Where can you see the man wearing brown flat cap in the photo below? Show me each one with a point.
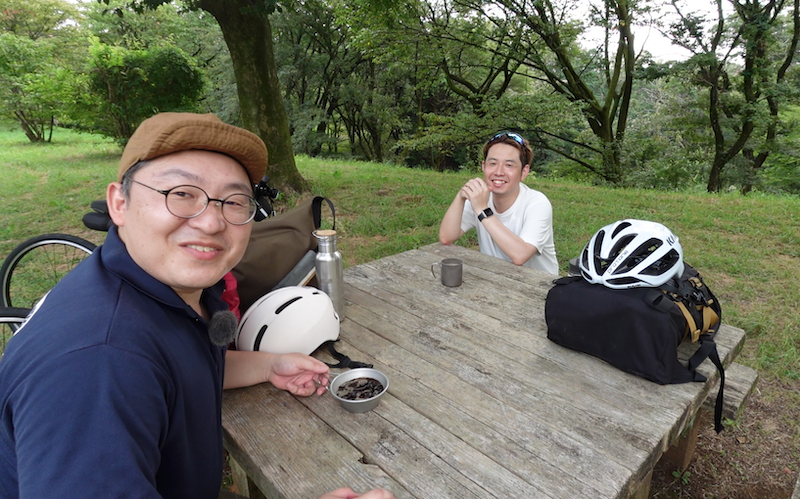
(112, 388)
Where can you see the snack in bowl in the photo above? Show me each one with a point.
(359, 390)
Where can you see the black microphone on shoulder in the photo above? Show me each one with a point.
(222, 327)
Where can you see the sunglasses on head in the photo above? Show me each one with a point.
(511, 135)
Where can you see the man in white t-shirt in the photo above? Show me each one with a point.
(514, 222)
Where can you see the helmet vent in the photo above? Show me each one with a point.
(619, 228)
(599, 264)
(639, 255)
(663, 264)
(283, 307)
(618, 281)
(619, 246)
(259, 336)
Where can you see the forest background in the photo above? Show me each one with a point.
(421, 85)
(425, 83)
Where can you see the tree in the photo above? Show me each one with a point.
(40, 47)
(36, 18)
(555, 59)
(247, 31)
(744, 68)
(132, 84)
(317, 56)
(440, 71)
(195, 33)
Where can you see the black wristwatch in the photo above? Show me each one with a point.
(484, 214)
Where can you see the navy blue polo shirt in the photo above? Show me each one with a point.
(112, 389)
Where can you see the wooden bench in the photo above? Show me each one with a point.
(740, 381)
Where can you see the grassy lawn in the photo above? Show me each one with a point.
(747, 248)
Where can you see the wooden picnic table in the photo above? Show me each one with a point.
(480, 402)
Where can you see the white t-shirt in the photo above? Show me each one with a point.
(530, 218)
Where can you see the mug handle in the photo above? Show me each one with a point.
(434, 265)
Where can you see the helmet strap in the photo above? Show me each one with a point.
(344, 360)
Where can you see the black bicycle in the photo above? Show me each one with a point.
(10, 320)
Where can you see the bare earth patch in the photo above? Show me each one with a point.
(756, 457)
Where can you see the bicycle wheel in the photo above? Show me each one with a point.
(10, 320)
(36, 265)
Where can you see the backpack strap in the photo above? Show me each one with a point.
(690, 323)
(696, 293)
(708, 350)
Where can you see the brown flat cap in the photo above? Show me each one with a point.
(166, 133)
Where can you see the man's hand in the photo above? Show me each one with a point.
(477, 192)
(347, 493)
(298, 374)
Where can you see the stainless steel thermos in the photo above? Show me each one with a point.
(330, 269)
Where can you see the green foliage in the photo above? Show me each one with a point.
(40, 58)
(781, 172)
(417, 83)
(35, 88)
(196, 33)
(682, 476)
(35, 19)
(746, 247)
(131, 85)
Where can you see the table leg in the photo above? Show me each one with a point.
(642, 490)
(244, 485)
(682, 450)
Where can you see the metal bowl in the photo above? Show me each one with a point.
(359, 405)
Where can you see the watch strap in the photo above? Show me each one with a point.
(484, 214)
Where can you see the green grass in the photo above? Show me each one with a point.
(48, 187)
(747, 248)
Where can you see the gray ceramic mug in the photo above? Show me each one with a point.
(451, 270)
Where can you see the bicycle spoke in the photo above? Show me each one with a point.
(32, 270)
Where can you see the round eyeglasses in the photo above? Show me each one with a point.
(189, 201)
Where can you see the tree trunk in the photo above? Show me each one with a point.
(30, 129)
(248, 34)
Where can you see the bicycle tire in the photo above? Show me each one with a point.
(36, 265)
(11, 319)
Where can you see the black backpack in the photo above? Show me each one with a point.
(638, 330)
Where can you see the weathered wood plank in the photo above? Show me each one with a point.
(388, 276)
(740, 381)
(271, 435)
(501, 268)
(530, 325)
(527, 338)
(394, 270)
(423, 471)
(538, 452)
(480, 404)
(507, 388)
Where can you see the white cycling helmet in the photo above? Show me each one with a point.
(290, 319)
(632, 253)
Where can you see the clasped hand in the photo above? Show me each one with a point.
(476, 191)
